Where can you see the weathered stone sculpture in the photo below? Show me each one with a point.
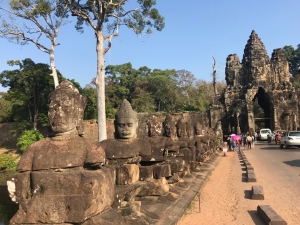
(136, 159)
(186, 144)
(126, 152)
(169, 127)
(159, 144)
(61, 179)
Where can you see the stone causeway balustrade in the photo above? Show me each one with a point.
(131, 179)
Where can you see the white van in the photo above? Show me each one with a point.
(263, 134)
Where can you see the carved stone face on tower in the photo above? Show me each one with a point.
(66, 108)
(126, 121)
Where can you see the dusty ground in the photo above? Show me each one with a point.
(225, 198)
(11, 151)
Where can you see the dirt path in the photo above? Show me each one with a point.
(224, 198)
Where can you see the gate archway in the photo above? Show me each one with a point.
(257, 77)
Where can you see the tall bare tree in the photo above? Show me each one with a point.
(43, 18)
(214, 74)
(186, 80)
(96, 13)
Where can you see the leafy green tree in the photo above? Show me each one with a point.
(121, 80)
(7, 162)
(163, 86)
(43, 18)
(293, 56)
(29, 88)
(90, 111)
(29, 137)
(186, 80)
(5, 109)
(147, 90)
(113, 14)
(142, 100)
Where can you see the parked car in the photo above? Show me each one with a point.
(263, 134)
(290, 138)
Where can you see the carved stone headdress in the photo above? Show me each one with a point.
(125, 111)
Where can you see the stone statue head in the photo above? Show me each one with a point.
(66, 109)
(189, 129)
(154, 126)
(169, 127)
(126, 121)
(198, 129)
(181, 128)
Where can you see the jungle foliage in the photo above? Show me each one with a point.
(27, 138)
(148, 90)
(26, 101)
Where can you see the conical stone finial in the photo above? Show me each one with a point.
(125, 111)
(254, 48)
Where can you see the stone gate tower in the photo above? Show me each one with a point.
(256, 77)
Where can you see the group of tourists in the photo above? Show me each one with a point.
(246, 139)
(249, 139)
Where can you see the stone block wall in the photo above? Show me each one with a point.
(6, 137)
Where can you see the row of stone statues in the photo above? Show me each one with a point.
(67, 179)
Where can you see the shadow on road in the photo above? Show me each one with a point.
(248, 194)
(244, 177)
(295, 162)
(276, 147)
(272, 148)
(255, 217)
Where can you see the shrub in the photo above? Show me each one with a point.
(28, 137)
(7, 162)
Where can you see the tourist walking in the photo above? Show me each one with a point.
(229, 143)
(255, 136)
(244, 137)
(249, 141)
(233, 144)
(225, 148)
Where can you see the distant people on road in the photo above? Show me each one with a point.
(233, 144)
(225, 148)
(255, 136)
(249, 141)
(244, 137)
(229, 143)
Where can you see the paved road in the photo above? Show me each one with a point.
(281, 163)
(278, 171)
(226, 196)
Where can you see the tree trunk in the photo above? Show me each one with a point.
(29, 113)
(52, 65)
(100, 84)
(188, 97)
(36, 109)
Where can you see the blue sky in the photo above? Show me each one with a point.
(195, 31)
